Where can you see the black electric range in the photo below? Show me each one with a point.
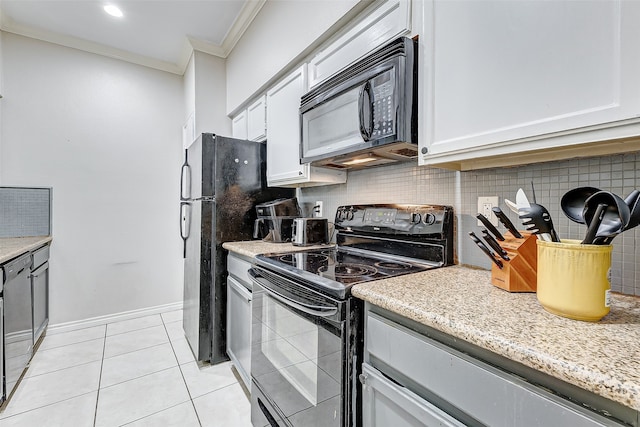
(373, 242)
(307, 329)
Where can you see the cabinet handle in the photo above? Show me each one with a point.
(185, 179)
(363, 378)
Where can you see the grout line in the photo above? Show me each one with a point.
(182, 374)
(60, 369)
(44, 406)
(157, 412)
(138, 349)
(139, 377)
(104, 346)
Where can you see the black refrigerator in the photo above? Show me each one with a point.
(222, 180)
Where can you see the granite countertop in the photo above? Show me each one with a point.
(601, 357)
(11, 247)
(251, 248)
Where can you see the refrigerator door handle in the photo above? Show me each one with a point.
(185, 179)
(185, 225)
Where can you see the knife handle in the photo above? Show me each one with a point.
(504, 219)
(485, 249)
(495, 245)
(490, 227)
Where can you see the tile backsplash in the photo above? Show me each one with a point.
(408, 183)
(25, 211)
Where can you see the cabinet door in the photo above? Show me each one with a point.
(283, 130)
(256, 120)
(239, 328)
(283, 137)
(389, 19)
(477, 390)
(502, 77)
(239, 125)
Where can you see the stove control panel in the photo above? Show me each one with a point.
(395, 219)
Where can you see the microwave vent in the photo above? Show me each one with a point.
(405, 152)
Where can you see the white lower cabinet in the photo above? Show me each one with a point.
(509, 82)
(239, 317)
(283, 137)
(410, 379)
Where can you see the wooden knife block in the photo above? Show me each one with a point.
(519, 274)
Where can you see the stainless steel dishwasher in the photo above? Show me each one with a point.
(18, 321)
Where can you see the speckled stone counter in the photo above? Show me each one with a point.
(252, 248)
(16, 246)
(602, 357)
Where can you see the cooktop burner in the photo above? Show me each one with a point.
(343, 272)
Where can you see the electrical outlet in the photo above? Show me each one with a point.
(317, 209)
(485, 204)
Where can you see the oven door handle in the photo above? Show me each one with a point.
(313, 310)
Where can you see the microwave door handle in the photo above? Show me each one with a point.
(365, 111)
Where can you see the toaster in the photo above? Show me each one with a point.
(310, 231)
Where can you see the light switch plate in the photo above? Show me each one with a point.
(485, 203)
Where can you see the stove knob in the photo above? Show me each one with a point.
(415, 218)
(429, 218)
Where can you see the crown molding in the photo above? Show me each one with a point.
(245, 18)
(248, 13)
(88, 46)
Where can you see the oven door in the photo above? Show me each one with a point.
(297, 355)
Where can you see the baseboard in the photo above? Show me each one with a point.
(111, 318)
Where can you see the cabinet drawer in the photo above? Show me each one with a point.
(40, 256)
(239, 268)
(491, 396)
(385, 403)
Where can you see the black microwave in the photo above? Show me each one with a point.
(367, 113)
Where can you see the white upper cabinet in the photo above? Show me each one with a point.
(257, 120)
(502, 80)
(283, 137)
(239, 125)
(383, 22)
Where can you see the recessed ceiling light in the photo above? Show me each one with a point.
(113, 10)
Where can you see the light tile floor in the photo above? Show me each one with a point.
(138, 372)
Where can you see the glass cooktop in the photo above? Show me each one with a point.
(335, 270)
(345, 267)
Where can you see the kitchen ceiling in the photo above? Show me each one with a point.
(156, 33)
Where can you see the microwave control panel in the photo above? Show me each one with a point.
(383, 104)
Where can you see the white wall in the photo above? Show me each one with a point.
(1, 93)
(106, 135)
(210, 94)
(189, 91)
(204, 86)
(282, 31)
